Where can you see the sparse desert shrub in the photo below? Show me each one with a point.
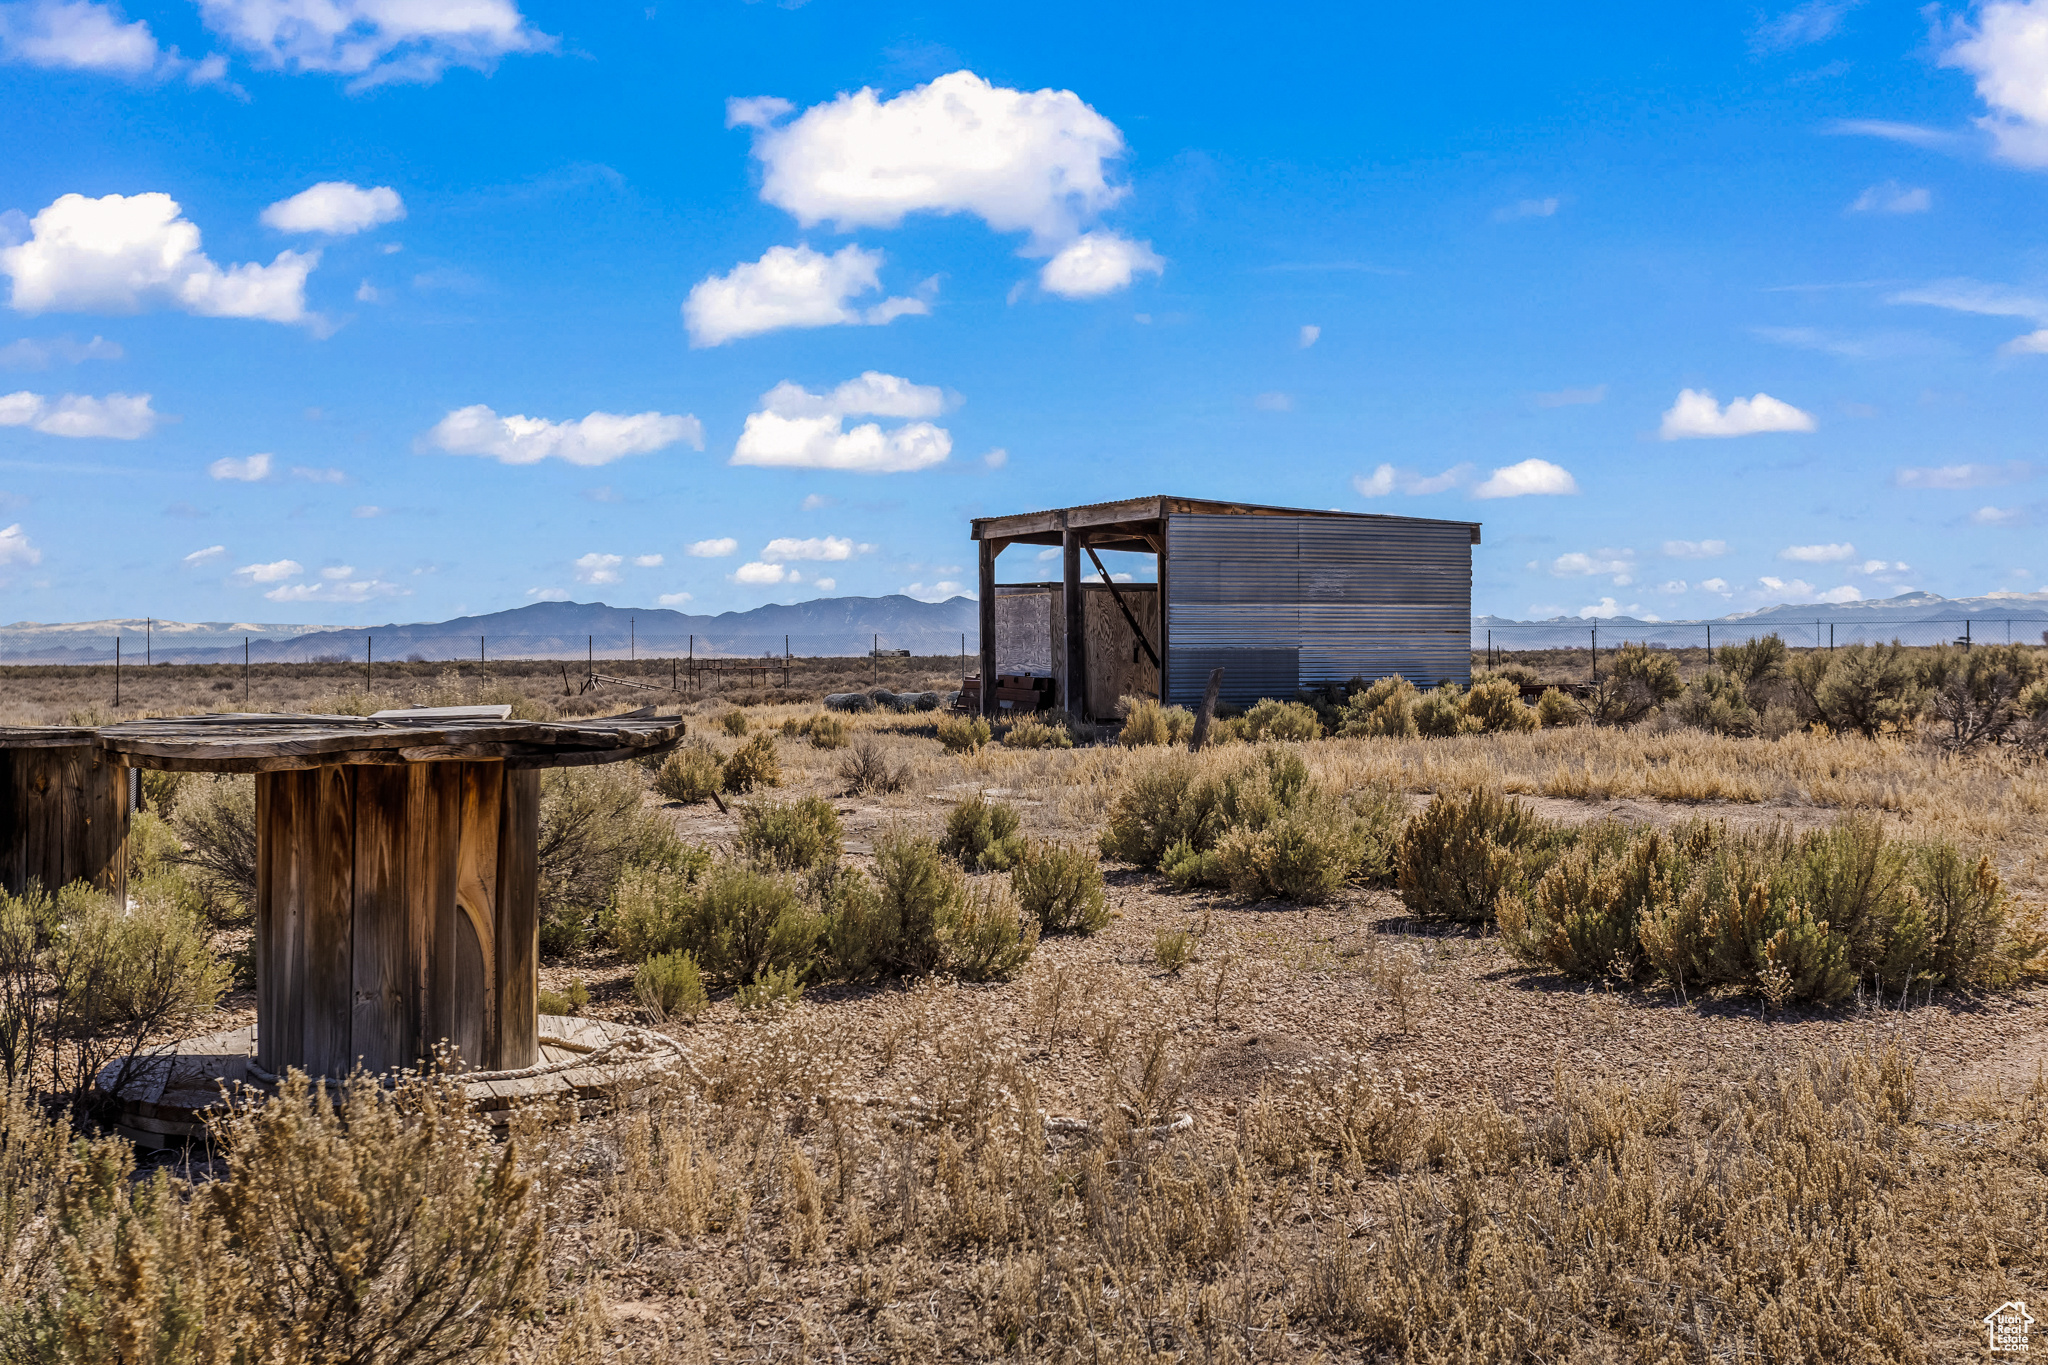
(1714, 701)
(1029, 732)
(1146, 722)
(917, 896)
(1555, 710)
(82, 968)
(1973, 695)
(2032, 731)
(1303, 853)
(161, 790)
(753, 764)
(791, 837)
(689, 774)
(826, 732)
(734, 723)
(1164, 802)
(403, 1233)
(989, 939)
(1636, 681)
(1060, 887)
(772, 990)
(866, 768)
(651, 911)
(1866, 688)
(963, 734)
(1385, 710)
(1793, 918)
(1173, 949)
(215, 819)
(1440, 713)
(982, 835)
(593, 828)
(744, 922)
(1460, 855)
(670, 986)
(570, 1001)
(1496, 704)
(1281, 720)
(1755, 665)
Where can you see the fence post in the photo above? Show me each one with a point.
(366, 664)
(1596, 655)
(245, 670)
(479, 651)
(117, 672)
(785, 661)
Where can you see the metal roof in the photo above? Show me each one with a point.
(1045, 527)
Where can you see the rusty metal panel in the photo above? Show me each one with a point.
(1364, 598)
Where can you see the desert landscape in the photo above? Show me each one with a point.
(1121, 1112)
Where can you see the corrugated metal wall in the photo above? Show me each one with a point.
(1283, 602)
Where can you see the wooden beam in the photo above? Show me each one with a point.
(987, 604)
(1136, 629)
(1074, 685)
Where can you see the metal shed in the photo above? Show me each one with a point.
(1280, 598)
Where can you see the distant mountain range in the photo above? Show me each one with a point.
(1914, 617)
(854, 625)
(543, 630)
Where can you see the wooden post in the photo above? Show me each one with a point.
(986, 611)
(245, 671)
(1207, 712)
(117, 672)
(366, 663)
(1074, 669)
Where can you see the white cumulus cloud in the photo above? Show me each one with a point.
(597, 568)
(276, 571)
(673, 599)
(206, 556)
(759, 572)
(714, 549)
(790, 286)
(1577, 563)
(936, 592)
(1997, 516)
(337, 584)
(1697, 414)
(1848, 592)
(16, 548)
(825, 584)
(1818, 554)
(2007, 52)
(1387, 479)
(335, 208)
(1031, 161)
(1309, 335)
(802, 430)
(253, 469)
(1098, 263)
(375, 41)
(814, 547)
(648, 561)
(597, 439)
(1695, 549)
(122, 253)
(1529, 478)
(84, 35)
(117, 417)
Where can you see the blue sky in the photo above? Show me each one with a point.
(360, 310)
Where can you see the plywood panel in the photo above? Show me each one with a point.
(517, 975)
(281, 896)
(383, 1029)
(1117, 667)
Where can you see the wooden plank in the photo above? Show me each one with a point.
(103, 833)
(382, 1029)
(1117, 668)
(473, 993)
(434, 845)
(280, 960)
(329, 827)
(13, 834)
(516, 980)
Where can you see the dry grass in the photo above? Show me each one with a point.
(1399, 1146)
